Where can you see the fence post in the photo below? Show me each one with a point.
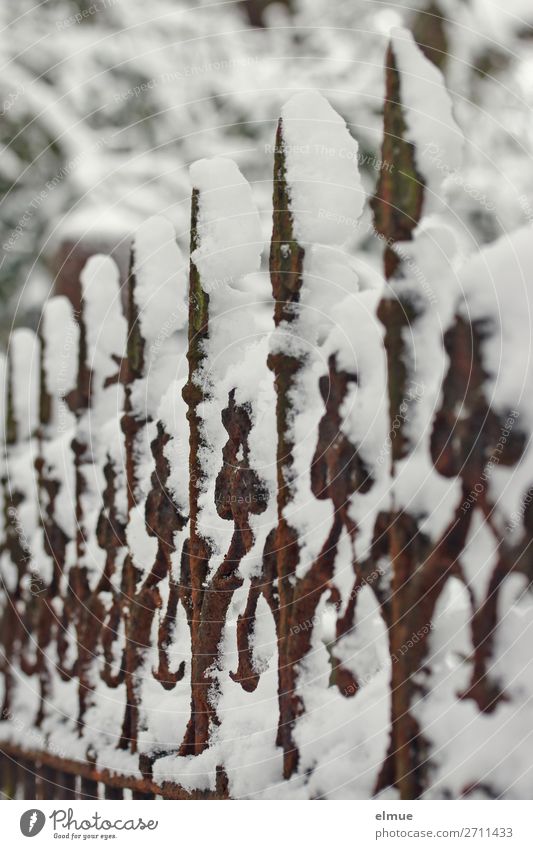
(20, 503)
(155, 320)
(132, 422)
(286, 269)
(213, 556)
(304, 242)
(397, 211)
(54, 532)
(196, 548)
(102, 337)
(459, 444)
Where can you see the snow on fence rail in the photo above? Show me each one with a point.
(274, 542)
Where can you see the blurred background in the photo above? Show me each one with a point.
(105, 103)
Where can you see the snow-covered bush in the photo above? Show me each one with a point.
(105, 105)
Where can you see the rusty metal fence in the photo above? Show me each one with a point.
(163, 550)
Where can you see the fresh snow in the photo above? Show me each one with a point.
(229, 234)
(321, 169)
(342, 740)
(428, 112)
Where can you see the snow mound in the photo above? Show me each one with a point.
(229, 233)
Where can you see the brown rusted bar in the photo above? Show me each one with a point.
(91, 776)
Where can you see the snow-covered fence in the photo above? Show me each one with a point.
(268, 536)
